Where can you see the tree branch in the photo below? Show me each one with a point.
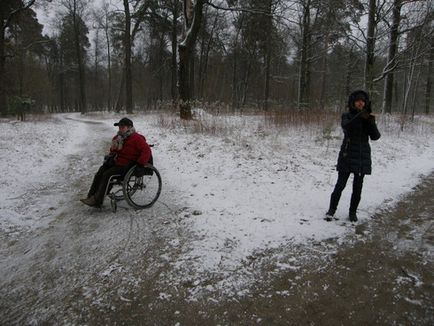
(250, 11)
(14, 12)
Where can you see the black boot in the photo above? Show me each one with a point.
(353, 216)
(329, 215)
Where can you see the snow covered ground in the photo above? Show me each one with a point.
(237, 183)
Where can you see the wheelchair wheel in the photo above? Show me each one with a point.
(142, 190)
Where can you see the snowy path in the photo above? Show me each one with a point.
(45, 269)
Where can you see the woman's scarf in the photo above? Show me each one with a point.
(118, 142)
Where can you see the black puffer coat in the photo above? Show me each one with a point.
(355, 153)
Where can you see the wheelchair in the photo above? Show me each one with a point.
(140, 187)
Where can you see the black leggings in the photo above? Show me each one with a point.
(340, 186)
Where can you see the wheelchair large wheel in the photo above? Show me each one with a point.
(142, 190)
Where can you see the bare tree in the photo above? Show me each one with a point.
(75, 12)
(104, 22)
(127, 62)
(391, 57)
(370, 46)
(268, 26)
(304, 65)
(80, 56)
(174, 41)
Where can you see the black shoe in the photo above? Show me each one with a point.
(353, 216)
(329, 216)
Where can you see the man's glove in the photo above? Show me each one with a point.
(109, 160)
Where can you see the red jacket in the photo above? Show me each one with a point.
(134, 149)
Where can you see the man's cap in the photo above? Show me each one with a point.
(124, 122)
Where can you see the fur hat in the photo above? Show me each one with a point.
(359, 95)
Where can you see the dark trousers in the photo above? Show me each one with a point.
(340, 186)
(100, 181)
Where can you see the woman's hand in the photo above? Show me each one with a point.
(364, 114)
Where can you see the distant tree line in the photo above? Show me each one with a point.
(268, 54)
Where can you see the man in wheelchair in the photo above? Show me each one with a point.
(128, 147)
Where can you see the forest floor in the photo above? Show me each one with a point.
(96, 267)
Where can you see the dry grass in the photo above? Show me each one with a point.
(301, 119)
(400, 124)
(239, 125)
(216, 120)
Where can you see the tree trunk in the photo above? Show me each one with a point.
(202, 55)
(246, 82)
(415, 101)
(203, 66)
(267, 79)
(415, 56)
(191, 74)
(349, 70)
(161, 65)
(409, 83)
(235, 101)
(185, 110)
(109, 68)
(174, 65)
(391, 62)
(127, 62)
(267, 53)
(62, 92)
(304, 75)
(3, 106)
(81, 74)
(429, 77)
(370, 47)
(118, 105)
(21, 69)
(235, 86)
(193, 20)
(324, 67)
(96, 98)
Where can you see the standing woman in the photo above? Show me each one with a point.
(358, 125)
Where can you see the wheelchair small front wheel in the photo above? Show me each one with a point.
(142, 190)
(114, 205)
